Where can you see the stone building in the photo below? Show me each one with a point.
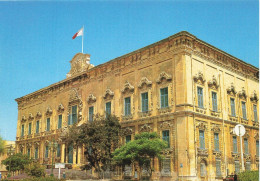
(9, 150)
(188, 91)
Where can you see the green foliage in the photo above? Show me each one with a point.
(16, 162)
(249, 176)
(2, 145)
(99, 138)
(142, 150)
(35, 170)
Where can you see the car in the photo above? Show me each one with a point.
(231, 178)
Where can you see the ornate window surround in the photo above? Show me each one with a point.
(199, 81)
(127, 131)
(254, 101)
(213, 86)
(166, 125)
(215, 128)
(202, 126)
(92, 102)
(109, 97)
(127, 91)
(145, 85)
(74, 99)
(232, 93)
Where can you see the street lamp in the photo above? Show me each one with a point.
(10, 151)
(53, 145)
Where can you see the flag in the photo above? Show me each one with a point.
(79, 33)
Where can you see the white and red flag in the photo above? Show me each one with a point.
(79, 33)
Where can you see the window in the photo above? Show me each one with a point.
(255, 113)
(166, 167)
(46, 151)
(248, 165)
(30, 129)
(164, 97)
(200, 97)
(244, 110)
(59, 121)
(237, 167)
(216, 141)
(245, 145)
(234, 144)
(202, 139)
(166, 137)
(127, 138)
(36, 152)
(29, 152)
(108, 108)
(127, 106)
(232, 105)
(48, 122)
(74, 114)
(218, 167)
(257, 148)
(203, 169)
(58, 150)
(90, 113)
(214, 102)
(144, 97)
(22, 130)
(37, 126)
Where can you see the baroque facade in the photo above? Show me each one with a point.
(188, 91)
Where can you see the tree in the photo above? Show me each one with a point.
(16, 162)
(35, 170)
(141, 151)
(99, 138)
(2, 145)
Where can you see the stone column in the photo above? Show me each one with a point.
(62, 152)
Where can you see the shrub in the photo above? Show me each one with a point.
(248, 176)
(35, 170)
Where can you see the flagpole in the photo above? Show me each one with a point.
(82, 38)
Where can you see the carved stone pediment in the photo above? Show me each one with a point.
(199, 78)
(48, 111)
(235, 156)
(201, 126)
(109, 94)
(38, 114)
(23, 118)
(165, 125)
(127, 87)
(37, 143)
(127, 131)
(247, 157)
(254, 97)
(242, 93)
(232, 131)
(215, 129)
(203, 152)
(145, 128)
(144, 81)
(91, 99)
(213, 84)
(28, 145)
(30, 117)
(246, 135)
(74, 95)
(168, 151)
(217, 154)
(231, 90)
(60, 108)
(22, 146)
(163, 76)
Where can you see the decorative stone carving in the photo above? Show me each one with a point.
(127, 87)
(213, 84)
(36, 144)
(48, 111)
(217, 154)
(108, 94)
(215, 128)
(30, 117)
(246, 135)
(23, 118)
(127, 131)
(231, 90)
(74, 98)
(242, 94)
(144, 81)
(163, 76)
(256, 136)
(201, 126)
(232, 131)
(28, 145)
(199, 78)
(166, 125)
(60, 108)
(254, 97)
(91, 99)
(145, 128)
(235, 156)
(46, 142)
(247, 157)
(127, 117)
(38, 115)
(202, 152)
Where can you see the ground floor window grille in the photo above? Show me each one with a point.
(166, 167)
(237, 167)
(218, 168)
(248, 165)
(128, 170)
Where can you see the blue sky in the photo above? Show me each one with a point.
(36, 37)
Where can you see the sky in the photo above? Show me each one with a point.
(36, 37)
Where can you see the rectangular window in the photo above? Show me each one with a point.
(244, 110)
(59, 121)
(127, 138)
(218, 167)
(232, 106)
(255, 113)
(46, 151)
(144, 97)
(58, 150)
(234, 144)
(164, 97)
(30, 129)
(36, 153)
(22, 130)
(37, 126)
(245, 145)
(248, 166)
(214, 102)
(108, 108)
(237, 167)
(257, 148)
(202, 139)
(90, 113)
(216, 141)
(200, 97)
(48, 124)
(166, 167)
(74, 114)
(166, 137)
(29, 152)
(127, 106)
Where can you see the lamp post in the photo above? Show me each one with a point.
(53, 145)
(9, 153)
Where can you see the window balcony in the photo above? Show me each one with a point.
(37, 134)
(255, 123)
(164, 110)
(200, 110)
(243, 121)
(214, 113)
(127, 117)
(144, 114)
(233, 118)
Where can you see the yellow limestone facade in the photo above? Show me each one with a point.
(188, 91)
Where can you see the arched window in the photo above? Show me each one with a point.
(203, 168)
